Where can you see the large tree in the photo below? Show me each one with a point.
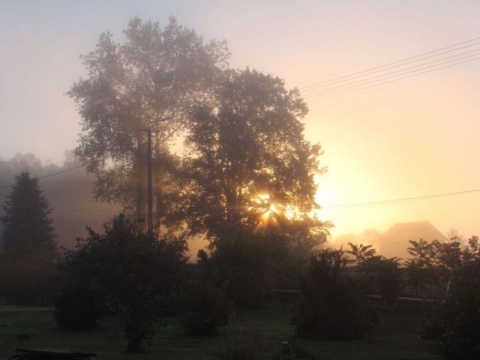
(131, 87)
(250, 163)
(28, 241)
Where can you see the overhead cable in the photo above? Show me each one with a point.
(415, 65)
(49, 175)
(392, 201)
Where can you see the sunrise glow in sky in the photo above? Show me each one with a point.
(404, 139)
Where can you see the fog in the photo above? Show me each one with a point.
(69, 192)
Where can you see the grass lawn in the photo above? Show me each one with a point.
(260, 332)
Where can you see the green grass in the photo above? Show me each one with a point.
(261, 331)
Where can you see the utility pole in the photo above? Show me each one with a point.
(149, 183)
(149, 176)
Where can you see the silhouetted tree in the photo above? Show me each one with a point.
(251, 184)
(132, 86)
(249, 160)
(362, 253)
(28, 242)
(472, 250)
(133, 273)
(433, 262)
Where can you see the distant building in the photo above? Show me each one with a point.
(395, 242)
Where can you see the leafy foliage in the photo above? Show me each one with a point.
(28, 243)
(433, 262)
(204, 308)
(251, 186)
(249, 156)
(242, 266)
(362, 253)
(455, 323)
(383, 275)
(130, 87)
(472, 250)
(134, 272)
(332, 303)
(249, 265)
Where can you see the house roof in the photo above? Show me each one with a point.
(395, 242)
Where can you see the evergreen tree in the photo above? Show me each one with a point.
(28, 242)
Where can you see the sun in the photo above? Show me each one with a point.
(267, 211)
(270, 212)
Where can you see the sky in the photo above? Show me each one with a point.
(410, 138)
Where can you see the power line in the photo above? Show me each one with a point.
(396, 63)
(60, 172)
(49, 175)
(392, 201)
(427, 65)
(395, 71)
(340, 91)
(83, 210)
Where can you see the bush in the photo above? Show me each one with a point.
(332, 303)
(242, 266)
(135, 273)
(204, 308)
(385, 275)
(455, 323)
(78, 307)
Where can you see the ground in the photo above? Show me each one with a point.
(255, 334)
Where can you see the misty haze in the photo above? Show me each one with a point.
(239, 180)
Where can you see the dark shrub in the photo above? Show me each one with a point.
(241, 265)
(385, 275)
(78, 307)
(204, 309)
(332, 303)
(135, 272)
(455, 323)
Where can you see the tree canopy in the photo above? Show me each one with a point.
(247, 165)
(133, 86)
(249, 157)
